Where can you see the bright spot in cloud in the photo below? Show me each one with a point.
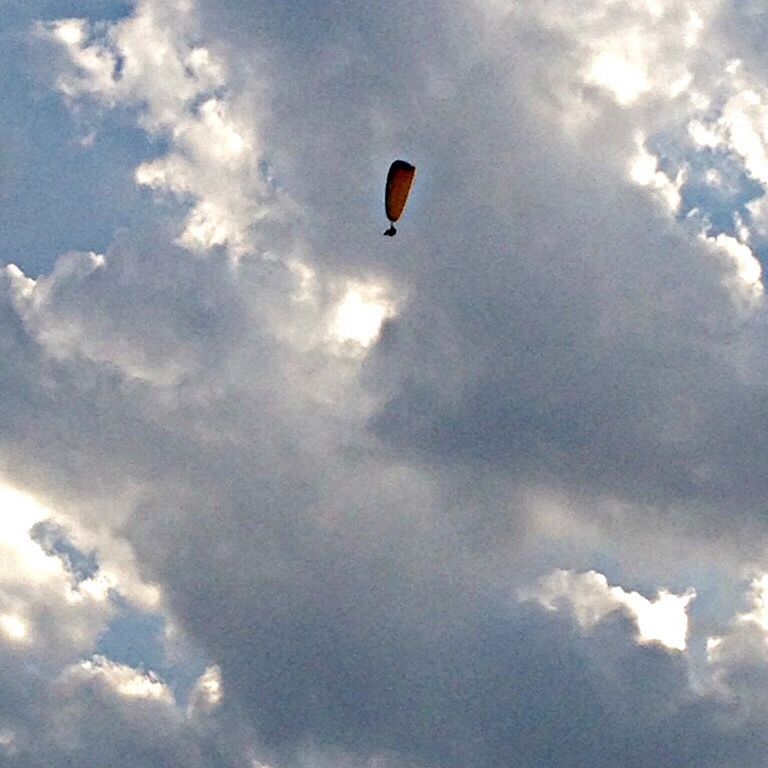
(70, 31)
(18, 552)
(680, 85)
(619, 74)
(20, 512)
(643, 168)
(662, 620)
(13, 627)
(360, 314)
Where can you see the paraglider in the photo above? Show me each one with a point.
(399, 181)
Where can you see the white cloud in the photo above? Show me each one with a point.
(734, 125)
(644, 170)
(123, 680)
(65, 331)
(36, 586)
(759, 597)
(746, 265)
(100, 712)
(95, 66)
(150, 61)
(73, 314)
(590, 597)
(208, 692)
(58, 706)
(632, 48)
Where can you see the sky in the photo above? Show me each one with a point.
(279, 492)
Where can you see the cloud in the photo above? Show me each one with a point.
(45, 611)
(572, 342)
(149, 60)
(74, 312)
(99, 712)
(345, 535)
(60, 701)
(662, 620)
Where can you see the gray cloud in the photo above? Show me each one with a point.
(558, 326)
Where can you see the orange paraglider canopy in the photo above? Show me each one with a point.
(399, 181)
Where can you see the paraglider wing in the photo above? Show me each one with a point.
(399, 180)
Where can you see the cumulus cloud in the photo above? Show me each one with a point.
(99, 712)
(149, 60)
(46, 611)
(59, 701)
(662, 620)
(63, 702)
